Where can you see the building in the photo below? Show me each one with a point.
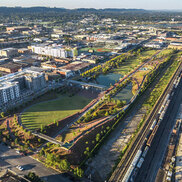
(73, 68)
(65, 73)
(10, 67)
(51, 65)
(9, 52)
(30, 61)
(56, 36)
(17, 86)
(17, 29)
(23, 50)
(156, 45)
(57, 51)
(175, 45)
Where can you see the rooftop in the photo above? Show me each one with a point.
(75, 66)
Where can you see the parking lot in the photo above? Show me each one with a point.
(10, 159)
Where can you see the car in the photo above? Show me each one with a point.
(20, 168)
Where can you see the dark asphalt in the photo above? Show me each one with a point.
(9, 159)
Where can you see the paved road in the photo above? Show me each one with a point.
(10, 159)
(156, 153)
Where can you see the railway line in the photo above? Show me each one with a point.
(127, 164)
(155, 155)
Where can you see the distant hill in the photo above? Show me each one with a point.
(11, 10)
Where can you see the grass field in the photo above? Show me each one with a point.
(165, 52)
(130, 64)
(46, 112)
(96, 49)
(148, 54)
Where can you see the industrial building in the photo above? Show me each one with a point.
(10, 67)
(73, 68)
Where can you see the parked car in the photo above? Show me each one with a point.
(20, 168)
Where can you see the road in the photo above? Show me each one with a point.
(9, 159)
(156, 153)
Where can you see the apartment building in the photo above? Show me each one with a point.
(53, 50)
(17, 86)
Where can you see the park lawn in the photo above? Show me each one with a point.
(69, 135)
(127, 66)
(165, 52)
(96, 49)
(132, 63)
(47, 112)
(148, 54)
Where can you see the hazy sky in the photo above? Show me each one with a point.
(145, 4)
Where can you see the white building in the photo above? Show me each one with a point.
(54, 51)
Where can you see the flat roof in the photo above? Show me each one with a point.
(75, 66)
(10, 65)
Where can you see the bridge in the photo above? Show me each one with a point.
(49, 139)
(87, 85)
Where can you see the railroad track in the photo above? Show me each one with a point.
(122, 168)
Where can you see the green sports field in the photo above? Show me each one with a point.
(46, 112)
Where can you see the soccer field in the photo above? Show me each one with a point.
(47, 112)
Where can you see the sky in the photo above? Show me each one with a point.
(71, 4)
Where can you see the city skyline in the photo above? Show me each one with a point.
(138, 4)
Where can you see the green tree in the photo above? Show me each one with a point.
(107, 113)
(79, 172)
(2, 114)
(16, 141)
(64, 165)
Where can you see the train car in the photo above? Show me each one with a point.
(128, 174)
(175, 82)
(140, 162)
(148, 135)
(132, 166)
(167, 104)
(136, 158)
(166, 99)
(145, 151)
(161, 109)
(155, 129)
(149, 141)
(153, 124)
(162, 115)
